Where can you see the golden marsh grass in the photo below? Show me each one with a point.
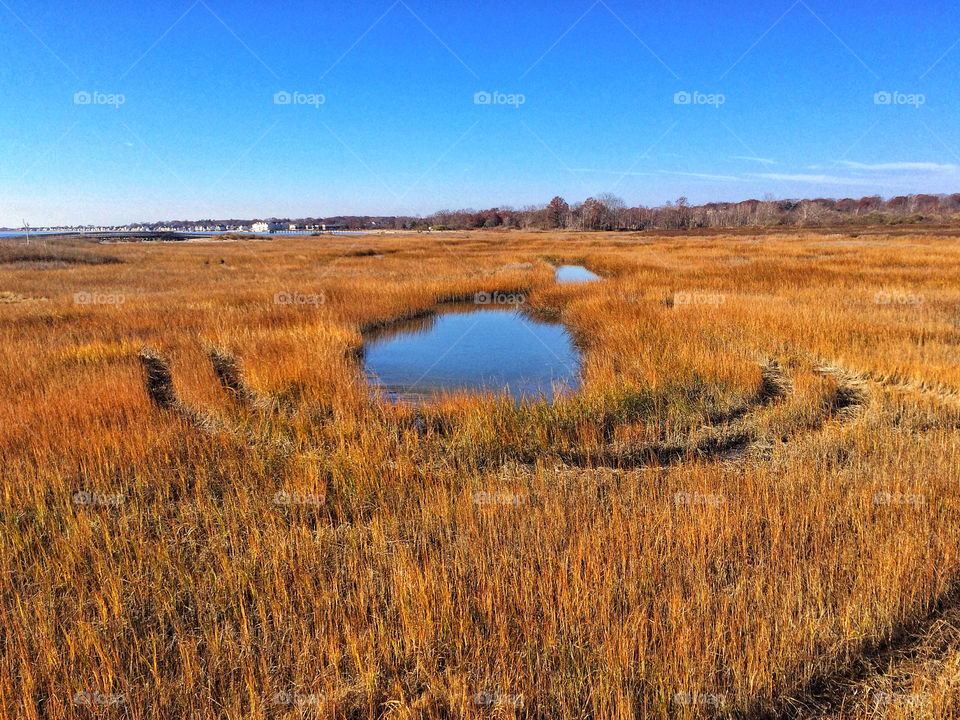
(750, 509)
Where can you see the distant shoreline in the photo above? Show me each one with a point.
(164, 236)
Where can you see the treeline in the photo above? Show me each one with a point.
(609, 212)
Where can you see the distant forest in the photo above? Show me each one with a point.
(609, 212)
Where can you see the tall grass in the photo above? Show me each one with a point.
(747, 497)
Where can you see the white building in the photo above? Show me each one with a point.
(263, 226)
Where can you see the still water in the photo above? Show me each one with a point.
(575, 274)
(470, 348)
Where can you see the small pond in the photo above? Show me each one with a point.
(473, 348)
(575, 274)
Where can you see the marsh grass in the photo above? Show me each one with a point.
(693, 534)
(40, 253)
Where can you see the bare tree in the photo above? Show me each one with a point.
(614, 207)
(558, 213)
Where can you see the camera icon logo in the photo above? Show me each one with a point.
(482, 98)
(281, 498)
(82, 98)
(681, 98)
(882, 98)
(281, 98)
(481, 298)
(883, 298)
(483, 698)
(682, 298)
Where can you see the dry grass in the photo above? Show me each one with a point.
(56, 253)
(750, 509)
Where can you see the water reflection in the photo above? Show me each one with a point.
(575, 274)
(472, 348)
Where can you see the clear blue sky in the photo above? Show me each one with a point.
(198, 133)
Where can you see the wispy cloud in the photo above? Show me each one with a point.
(861, 174)
(660, 173)
(895, 166)
(809, 178)
(703, 176)
(612, 172)
(762, 161)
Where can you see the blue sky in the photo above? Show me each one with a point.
(182, 119)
